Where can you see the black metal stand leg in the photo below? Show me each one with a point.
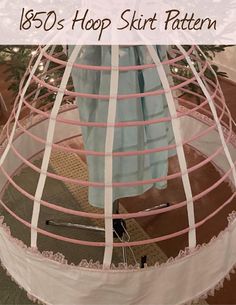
(119, 225)
(143, 261)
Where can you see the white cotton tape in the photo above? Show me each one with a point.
(179, 148)
(108, 192)
(48, 148)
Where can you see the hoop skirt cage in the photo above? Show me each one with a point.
(49, 156)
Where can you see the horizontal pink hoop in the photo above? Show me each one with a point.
(121, 68)
(123, 216)
(119, 124)
(130, 153)
(100, 184)
(117, 154)
(119, 244)
(119, 97)
(157, 212)
(139, 213)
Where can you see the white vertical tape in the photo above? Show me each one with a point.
(48, 147)
(179, 148)
(213, 110)
(35, 66)
(108, 178)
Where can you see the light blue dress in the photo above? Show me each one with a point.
(128, 168)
